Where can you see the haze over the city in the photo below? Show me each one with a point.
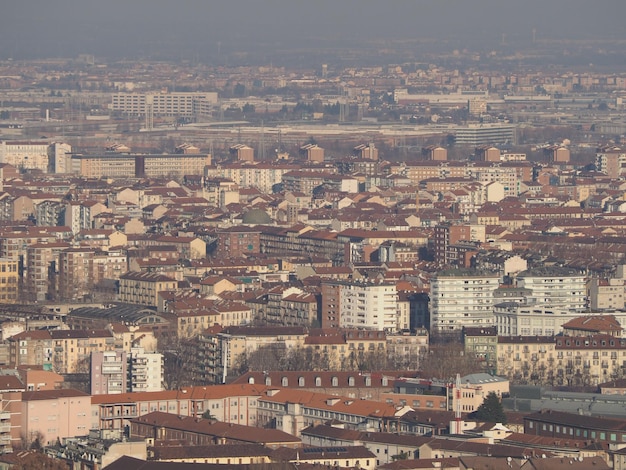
(269, 30)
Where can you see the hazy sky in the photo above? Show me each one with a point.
(131, 28)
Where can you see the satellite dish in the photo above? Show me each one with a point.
(509, 459)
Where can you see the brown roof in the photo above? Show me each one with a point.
(10, 382)
(594, 323)
(576, 420)
(230, 431)
(321, 453)
(196, 393)
(53, 394)
(166, 451)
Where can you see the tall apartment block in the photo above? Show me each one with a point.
(462, 298)
(610, 160)
(360, 305)
(121, 372)
(9, 291)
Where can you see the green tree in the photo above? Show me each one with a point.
(491, 410)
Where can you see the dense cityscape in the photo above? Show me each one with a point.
(392, 253)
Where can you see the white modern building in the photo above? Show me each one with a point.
(114, 372)
(145, 371)
(462, 297)
(485, 134)
(164, 104)
(555, 287)
(369, 305)
(515, 319)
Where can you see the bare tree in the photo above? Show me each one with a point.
(444, 361)
(180, 356)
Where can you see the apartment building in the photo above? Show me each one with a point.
(606, 294)
(556, 287)
(123, 165)
(508, 177)
(192, 318)
(206, 433)
(52, 415)
(143, 288)
(9, 277)
(174, 104)
(360, 304)
(223, 347)
(447, 234)
(11, 388)
(290, 306)
(114, 372)
(76, 273)
(462, 298)
(42, 264)
(34, 155)
(526, 319)
(529, 358)
(558, 424)
(440, 395)
(260, 175)
(610, 160)
(475, 135)
(276, 241)
(235, 404)
(590, 360)
(291, 411)
(482, 343)
(236, 242)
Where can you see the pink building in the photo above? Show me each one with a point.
(51, 414)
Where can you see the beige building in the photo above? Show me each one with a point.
(9, 291)
(193, 322)
(436, 153)
(589, 360)
(312, 152)
(25, 154)
(487, 153)
(242, 152)
(72, 348)
(528, 358)
(143, 288)
(606, 294)
(123, 165)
